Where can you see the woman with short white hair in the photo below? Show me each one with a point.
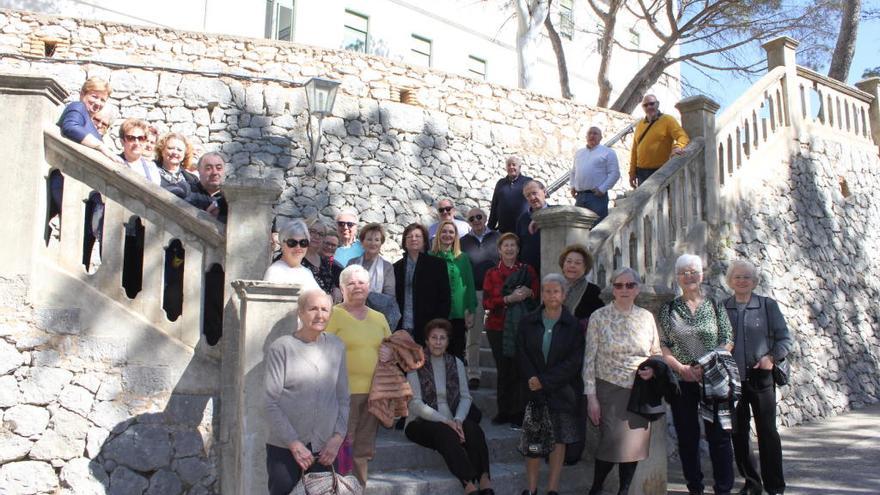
(692, 325)
(761, 340)
(294, 237)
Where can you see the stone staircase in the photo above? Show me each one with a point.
(400, 467)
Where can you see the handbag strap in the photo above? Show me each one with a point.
(639, 141)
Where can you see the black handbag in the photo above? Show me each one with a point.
(781, 371)
(537, 439)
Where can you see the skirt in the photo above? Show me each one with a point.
(566, 427)
(623, 436)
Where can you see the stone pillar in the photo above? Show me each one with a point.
(29, 103)
(872, 86)
(698, 120)
(781, 52)
(265, 312)
(248, 227)
(561, 226)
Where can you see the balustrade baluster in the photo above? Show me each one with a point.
(73, 214)
(190, 321)
(109, 275)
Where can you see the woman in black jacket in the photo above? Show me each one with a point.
(421, 284)
(581, 297)
(550, 353)
(760, 341)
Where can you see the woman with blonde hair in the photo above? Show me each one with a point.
(174, 154)
(463, 294)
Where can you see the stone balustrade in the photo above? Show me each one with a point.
(837, 106)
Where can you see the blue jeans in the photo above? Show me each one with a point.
(589, 200)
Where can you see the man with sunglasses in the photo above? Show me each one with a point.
(349, 245)
(658, 137)
(594, 173)
(446, 212)
(480, 244)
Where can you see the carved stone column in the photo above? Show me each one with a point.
(561, 226)
(265, 312)
(781, 52)
(698, 120)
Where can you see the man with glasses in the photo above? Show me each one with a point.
(446, 211)
(594, 173)
(480, 245)
(508, 202)
(658, 137)
(349, 245)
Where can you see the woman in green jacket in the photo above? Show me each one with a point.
(461, 284)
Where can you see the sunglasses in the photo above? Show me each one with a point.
(649, 104)
(292, 243)
(346, 224)
(129, 138)
(475, 218)
(689, 273)
(445, 209)
(628, 285)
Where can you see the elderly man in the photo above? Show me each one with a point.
(594, 173)
(657, 138)
(446, 211)
(212, 174)
(508, 202)
(349, 245)
(529, 234)
(480, 245)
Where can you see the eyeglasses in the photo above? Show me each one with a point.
(445, 209)
(347, 225)
(648, 104)
(474, 218)
(130, 138)
(742, 277)
(689, 273)
(292, 243)
(628, 285)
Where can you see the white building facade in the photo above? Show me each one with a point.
(468, 37)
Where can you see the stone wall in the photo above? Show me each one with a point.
(811, 225)
(388, 159)
(80, 415)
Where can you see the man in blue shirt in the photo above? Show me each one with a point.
(508, 202)
(349, 246)
(595, 171)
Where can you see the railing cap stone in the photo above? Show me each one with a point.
(21, 84)
(254, 189)
(697, 102)
(564, 215)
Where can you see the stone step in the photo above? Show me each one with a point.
(508, 478)
(488, 378)
(395, 452)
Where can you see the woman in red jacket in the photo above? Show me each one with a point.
(510, 286)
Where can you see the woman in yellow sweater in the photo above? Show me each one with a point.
(362, 330)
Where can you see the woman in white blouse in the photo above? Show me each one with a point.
(294, 237)
(620, 337)
(438, 413)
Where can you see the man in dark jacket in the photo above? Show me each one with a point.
(508, 202)
(212, 175)
(529, 235)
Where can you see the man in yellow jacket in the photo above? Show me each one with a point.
(658, 137)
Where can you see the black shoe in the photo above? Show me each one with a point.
(487, 491)
(750, 489)
(500, 419)
(516, 426)
(400, 424)
(526, 492)
(551, 492)
(474, 384)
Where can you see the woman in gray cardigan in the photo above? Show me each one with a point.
(305, 372)
(761, 340)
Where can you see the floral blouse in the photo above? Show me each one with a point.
(617, 343)
(688, 335)
(327, 275)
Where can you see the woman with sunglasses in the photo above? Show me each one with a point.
(463, 295)
(294, 237)
(691, 325)
(620, 336)
(174, 156)
(133, 134)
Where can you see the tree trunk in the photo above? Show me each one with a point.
(609, 24)
(530, 17)
(561, 66)
(842, 57)
(646, 77)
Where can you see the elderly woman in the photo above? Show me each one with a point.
(294, 238)
(134, 133)
(305, 372)
(523, 284)
(174, 155)
(326, 272)
(582, 297)
(372, 237)
(421, 283)
(463, 294)
(76, 122)
(550, 354)
(620, 337)
(438, 416)
(761, 339)
(362, 330)
(331, 243)
(691, 326)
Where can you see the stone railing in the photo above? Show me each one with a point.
(838, 106)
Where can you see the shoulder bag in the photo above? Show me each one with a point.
(328, 483)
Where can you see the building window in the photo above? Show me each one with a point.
(420, 54)
(566, 18)
(281, 20)
(356, 34)
(476, 67)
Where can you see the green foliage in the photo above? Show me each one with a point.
(875, 72)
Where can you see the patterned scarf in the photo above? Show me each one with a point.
(429, 388)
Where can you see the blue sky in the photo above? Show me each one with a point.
(867, 55)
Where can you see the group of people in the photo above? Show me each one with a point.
(555, 343)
